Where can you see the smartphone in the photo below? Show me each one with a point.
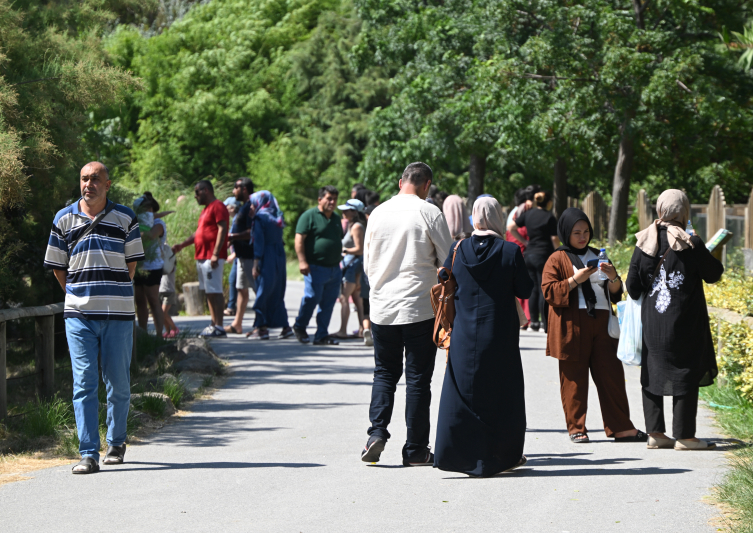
(593, 263)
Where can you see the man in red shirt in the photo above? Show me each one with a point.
(210, 242)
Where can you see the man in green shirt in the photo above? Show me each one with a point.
(318, 244)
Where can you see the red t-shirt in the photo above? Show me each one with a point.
(206, 233)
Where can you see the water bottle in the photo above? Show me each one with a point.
(689, 228)
(603, 259)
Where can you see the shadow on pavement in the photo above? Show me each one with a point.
(211, 466)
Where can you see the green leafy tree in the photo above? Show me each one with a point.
(53, 72)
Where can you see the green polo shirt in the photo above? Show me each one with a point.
(324, 235)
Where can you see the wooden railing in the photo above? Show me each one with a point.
(44, 348)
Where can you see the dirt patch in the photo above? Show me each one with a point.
(13, 467)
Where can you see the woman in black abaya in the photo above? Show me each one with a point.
(482, 419)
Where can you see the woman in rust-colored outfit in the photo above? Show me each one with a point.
(580, 305)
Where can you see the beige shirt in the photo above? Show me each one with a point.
(407, 239)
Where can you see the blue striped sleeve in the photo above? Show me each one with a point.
(56, 256)
(134, 249)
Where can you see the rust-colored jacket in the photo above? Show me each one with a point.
(563, 338)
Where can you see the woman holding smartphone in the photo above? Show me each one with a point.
(580, 306)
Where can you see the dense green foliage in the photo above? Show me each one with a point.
(53, 72)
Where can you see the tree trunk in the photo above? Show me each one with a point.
(476, 172)
(560, 187)
(621, 186)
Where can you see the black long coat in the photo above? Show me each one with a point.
(678, 352)
(482, 419)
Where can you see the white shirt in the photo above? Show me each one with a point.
(601, 298)
(406, 241)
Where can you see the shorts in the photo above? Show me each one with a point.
(353, 269)
(244, 279)
(168, 298)
(210, 279)
(147, 278)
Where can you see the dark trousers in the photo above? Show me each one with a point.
(420, 354)
(684, 411)
(537, 306)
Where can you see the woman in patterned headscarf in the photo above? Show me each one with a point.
(668, 268)
(269, 267)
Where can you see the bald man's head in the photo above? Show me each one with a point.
(95, 183)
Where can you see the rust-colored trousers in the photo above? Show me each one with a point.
(600, 357)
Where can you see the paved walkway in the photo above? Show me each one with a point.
(277, 449)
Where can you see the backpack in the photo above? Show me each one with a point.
(443, 302)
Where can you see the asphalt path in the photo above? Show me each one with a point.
(277, 448)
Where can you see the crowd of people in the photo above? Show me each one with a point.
(384, 258)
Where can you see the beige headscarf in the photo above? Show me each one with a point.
(488, 218)
(457, 215)
(673, 208)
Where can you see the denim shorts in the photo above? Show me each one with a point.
(353, 268)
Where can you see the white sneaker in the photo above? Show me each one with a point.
(367, 338)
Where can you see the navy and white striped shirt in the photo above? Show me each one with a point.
(98, 286)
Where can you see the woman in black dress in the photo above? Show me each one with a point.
(669, 268)
(540, 244)
(482, 419)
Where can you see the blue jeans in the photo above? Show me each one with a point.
(112, 340)
(233, 295)
(390, 343)
(322, 287)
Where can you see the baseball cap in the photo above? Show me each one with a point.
(352, 204)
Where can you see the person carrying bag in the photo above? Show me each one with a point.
(579, 315)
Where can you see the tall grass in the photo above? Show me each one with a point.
(46, 418)
(734, 415)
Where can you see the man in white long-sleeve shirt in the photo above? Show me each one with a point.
(407, 239)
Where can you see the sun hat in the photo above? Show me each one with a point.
(352, 204)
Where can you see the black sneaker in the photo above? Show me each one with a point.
(301, 335)
(373, 449)
(428, 461)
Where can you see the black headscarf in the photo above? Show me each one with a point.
(565, 226)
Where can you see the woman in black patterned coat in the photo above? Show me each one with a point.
(678, 352)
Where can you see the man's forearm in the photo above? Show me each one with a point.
(221, 234)
(300, 248)
(131, 269)
(61, 275)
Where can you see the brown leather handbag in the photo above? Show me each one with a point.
(443, 302)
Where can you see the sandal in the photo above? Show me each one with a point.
(579, 438)
(228, 312)
(88, 464)
(231, 329)
(523, 460)
(114, 455)
(638, 437)
(326, 341)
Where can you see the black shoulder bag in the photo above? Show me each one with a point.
(90, 228)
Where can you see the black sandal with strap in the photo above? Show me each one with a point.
(89, 463)
(579, 438)
(115, 455)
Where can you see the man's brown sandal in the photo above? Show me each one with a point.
(579, 438)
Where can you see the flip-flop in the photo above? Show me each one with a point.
(89, 464)
(231, 329)
(576, 440)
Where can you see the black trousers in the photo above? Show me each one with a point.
(420, 353)
(684, 411)
(537, 306)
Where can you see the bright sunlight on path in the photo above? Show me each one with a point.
(278, 449)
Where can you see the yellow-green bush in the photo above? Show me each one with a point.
(732, 292)
(735, 358)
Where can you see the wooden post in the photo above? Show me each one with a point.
(644, 210)
(44, 346)
(596, 210)
(715, 213)
(573, 202)
(3, 389)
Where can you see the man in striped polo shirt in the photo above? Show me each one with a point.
(95, 267)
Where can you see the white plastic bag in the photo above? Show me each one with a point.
(631, 331)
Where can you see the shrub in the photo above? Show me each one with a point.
(736, 356)
(46, 418)
(174, 390)
(152, 405)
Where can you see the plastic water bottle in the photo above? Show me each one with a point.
(603, 259)
(689, 228)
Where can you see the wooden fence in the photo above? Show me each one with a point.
(44, 348)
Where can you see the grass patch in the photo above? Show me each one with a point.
(734, 415)
(46, 418)
(175, 390)
(152, 405)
